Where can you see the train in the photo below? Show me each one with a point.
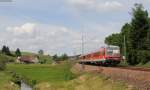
(106, 56)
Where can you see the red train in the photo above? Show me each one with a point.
(109, 55)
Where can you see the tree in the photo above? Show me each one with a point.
(137, 37)
(55, 57)
(147, 41)
(114, 39)
(17, 52)
(8, 51)
(41, 52)
(139, 27)
(125, 39)
(5, 50)
(64, 57)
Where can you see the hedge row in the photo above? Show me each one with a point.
(138, 56)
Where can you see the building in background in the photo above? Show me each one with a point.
(28, 59)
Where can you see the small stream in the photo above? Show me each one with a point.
(24, 86)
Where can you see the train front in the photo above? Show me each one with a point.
(113, 55)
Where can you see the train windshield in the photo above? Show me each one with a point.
(113, 50)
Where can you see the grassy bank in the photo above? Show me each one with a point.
(85, 82)
(147, 65)
(5, 82)
(59, 77)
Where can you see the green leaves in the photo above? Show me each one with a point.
(18, 53)
(3, 60)
(137, 37)
(113, 39)
(139, 27)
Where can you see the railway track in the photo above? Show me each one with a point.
(136, 76)
(123, 67)
(135, 68)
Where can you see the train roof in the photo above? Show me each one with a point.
(109, 46)
(103, 47)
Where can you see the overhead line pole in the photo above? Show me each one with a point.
(83, 47)
(124, 47)
(82, 43)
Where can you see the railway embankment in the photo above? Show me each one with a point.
(136, 77)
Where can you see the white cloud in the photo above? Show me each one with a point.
(34, 36)
(25, 28)
(109, 6)
(82, 3)
(100, 6)
(56, 39)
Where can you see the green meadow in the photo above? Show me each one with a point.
(36, 73)
(60, 77)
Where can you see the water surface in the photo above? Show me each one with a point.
(24, 86)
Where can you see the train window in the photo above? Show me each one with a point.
(113, 50)
(109, 52)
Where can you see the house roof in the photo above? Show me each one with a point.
(27, 58)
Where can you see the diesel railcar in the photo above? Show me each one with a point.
(108, 55)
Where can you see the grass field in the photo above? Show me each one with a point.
(5, 82)
(42, 72)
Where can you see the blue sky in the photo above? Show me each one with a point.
(56, 25)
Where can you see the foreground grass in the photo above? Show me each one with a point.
(42, 72)
(85, 82)
(5, 82)
(59, 77)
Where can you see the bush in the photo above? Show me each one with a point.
(2, 64)
(3, 60)
(138, 56)
(42, 61)
(143, 56)
(132, 57)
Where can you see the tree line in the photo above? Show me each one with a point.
(55, 57)
(134, 38)
(7, 56)
(5, 50)
(60, 58)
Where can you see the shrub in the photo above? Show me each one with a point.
(2, 65)
(143, 56)
(3, 60)
(132, 57)
(138, 56)
(42, 61)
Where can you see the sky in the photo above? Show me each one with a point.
(57, 26)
